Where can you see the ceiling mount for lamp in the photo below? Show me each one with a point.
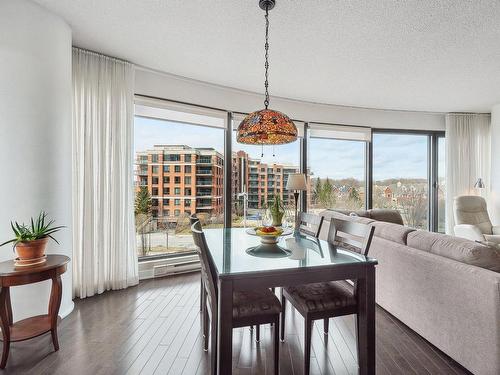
(266, 126)
(267, 4)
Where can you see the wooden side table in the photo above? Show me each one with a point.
(28, 328)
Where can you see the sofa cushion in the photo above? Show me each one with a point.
(422, 239)
(467, 251)
(392, 232)
(389, 216)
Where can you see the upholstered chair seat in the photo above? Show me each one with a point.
(315, 297)
(255, 303)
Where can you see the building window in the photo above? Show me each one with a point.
(177, 202)
(166, 191)
(154, 158)
(187, 158)
(187, 191)
(166, 202)
(171, 157)
(166, 168)
(177, 191)
(166, 179)
(187, 202)
(177, 212)
(154, 191)
(187, 180)
(154, 169)
(177, 169)
(177, 180)
(187, 169)
(154, 180)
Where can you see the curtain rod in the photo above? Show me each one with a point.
(102, 55)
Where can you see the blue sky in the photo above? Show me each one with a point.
(394, 156)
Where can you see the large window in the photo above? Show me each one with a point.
(340, 182)
(179, 171)
(259, 175)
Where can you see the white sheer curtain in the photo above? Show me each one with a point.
(104, 247)
(467, 158)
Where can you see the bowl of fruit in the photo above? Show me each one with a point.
(269, 234)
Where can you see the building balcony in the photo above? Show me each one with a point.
(204, 172)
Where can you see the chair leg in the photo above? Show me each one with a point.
(326, 322)
(276, 347)
(356, 331)
(202, 293)
(307, 344)
(257, 333)
(282, 320)
(213, 336)
(206, 322)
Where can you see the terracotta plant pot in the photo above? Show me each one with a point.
(31, 249)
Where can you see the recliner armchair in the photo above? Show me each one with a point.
(472, 220)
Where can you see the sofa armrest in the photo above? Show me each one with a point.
(492, 239)
(470, 232)
(495, 229)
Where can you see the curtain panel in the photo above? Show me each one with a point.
(104, 246)
(467, 158)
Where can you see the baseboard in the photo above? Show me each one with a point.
(64, 313)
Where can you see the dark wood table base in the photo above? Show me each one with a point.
(36, 325)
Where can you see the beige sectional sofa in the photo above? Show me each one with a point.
(447, 289)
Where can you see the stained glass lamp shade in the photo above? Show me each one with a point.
(267, 127)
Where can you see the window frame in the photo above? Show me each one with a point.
(432, 157)
(432, 169)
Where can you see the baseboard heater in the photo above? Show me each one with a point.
(149, 269)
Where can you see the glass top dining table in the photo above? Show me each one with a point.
(243, 262)
(235, 251)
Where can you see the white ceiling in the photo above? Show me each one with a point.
(430, 55)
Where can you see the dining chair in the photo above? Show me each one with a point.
(193, 219)
(249, 308)
(310, 224)
(326, 300)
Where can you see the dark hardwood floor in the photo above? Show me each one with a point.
(155, 329)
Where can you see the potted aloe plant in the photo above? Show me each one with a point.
(30, 240)
(277, 210)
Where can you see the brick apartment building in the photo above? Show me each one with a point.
(184, 180)
(260, 180)
(181, 180)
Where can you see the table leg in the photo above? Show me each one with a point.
(5, 319)
(54, 305)
(225, 324)
(366, 322)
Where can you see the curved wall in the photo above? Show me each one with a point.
(35, 135)
(168, 86)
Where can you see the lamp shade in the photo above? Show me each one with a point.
(266, 127)
(296, 181)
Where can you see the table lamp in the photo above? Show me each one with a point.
(296, 183)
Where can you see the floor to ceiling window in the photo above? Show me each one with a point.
(179, 162)
(179, 170)
(401, 175)
(259, 175)
(337, 167)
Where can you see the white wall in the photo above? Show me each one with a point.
(187, 90)
(494, 206)
(35, 135)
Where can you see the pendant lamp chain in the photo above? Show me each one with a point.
(266, 65)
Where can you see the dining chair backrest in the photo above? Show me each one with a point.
(193, 219)
(354, 236)
(310, 224)
(207, 266)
